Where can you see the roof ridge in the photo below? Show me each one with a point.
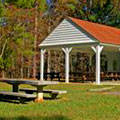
(71, 18)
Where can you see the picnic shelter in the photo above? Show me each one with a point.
(73, 35)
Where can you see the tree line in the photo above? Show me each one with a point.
(25, 23)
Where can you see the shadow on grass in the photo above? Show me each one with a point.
(49, 98)
(18, 102)
(57, 117)
(9, 101)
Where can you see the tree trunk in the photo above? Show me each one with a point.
(21, 69)
(28, 72)
(35, 41)
(48, 62)
(3, 74)
(55, 62)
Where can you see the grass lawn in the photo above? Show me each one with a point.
(78, 104)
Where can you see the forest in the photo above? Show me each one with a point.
(24, 24)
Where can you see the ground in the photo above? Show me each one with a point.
(78, 104)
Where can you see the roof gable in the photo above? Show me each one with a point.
(67, 33)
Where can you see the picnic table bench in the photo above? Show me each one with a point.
(15, 95)
(38, 84)
(53, 93)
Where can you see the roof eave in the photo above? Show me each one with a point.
(110, 45)
(69, 45)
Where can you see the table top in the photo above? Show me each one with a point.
(29, 82)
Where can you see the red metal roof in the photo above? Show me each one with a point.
(103, 33)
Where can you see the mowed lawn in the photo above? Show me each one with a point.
(78, 104)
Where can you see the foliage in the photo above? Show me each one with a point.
(22, 3)
(2, 10)
(28, 4)
(15, 40)
(103, 11)
(18, 22)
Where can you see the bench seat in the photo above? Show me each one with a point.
(53, 93)
(20, 96)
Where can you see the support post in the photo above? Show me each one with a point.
(97, 50)
(15, 87)
(42, 64)
(39, 94)
(67, 62)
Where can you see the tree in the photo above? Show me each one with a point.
(14, 40)
(104, 11)
(24, 24)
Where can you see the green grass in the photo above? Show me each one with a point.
(78, 104)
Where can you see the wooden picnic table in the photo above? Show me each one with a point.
(82, 76)
(36, 83)
(52, 75)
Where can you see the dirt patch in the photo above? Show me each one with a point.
(113, 93)
(101, 89)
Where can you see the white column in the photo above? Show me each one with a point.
(42, 64)
(67, 63)
(98, 50)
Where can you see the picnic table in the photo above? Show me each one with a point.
(36, 83)
(82, 76)
(51, 75)
(110, 76)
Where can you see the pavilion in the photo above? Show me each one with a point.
(83, 36)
